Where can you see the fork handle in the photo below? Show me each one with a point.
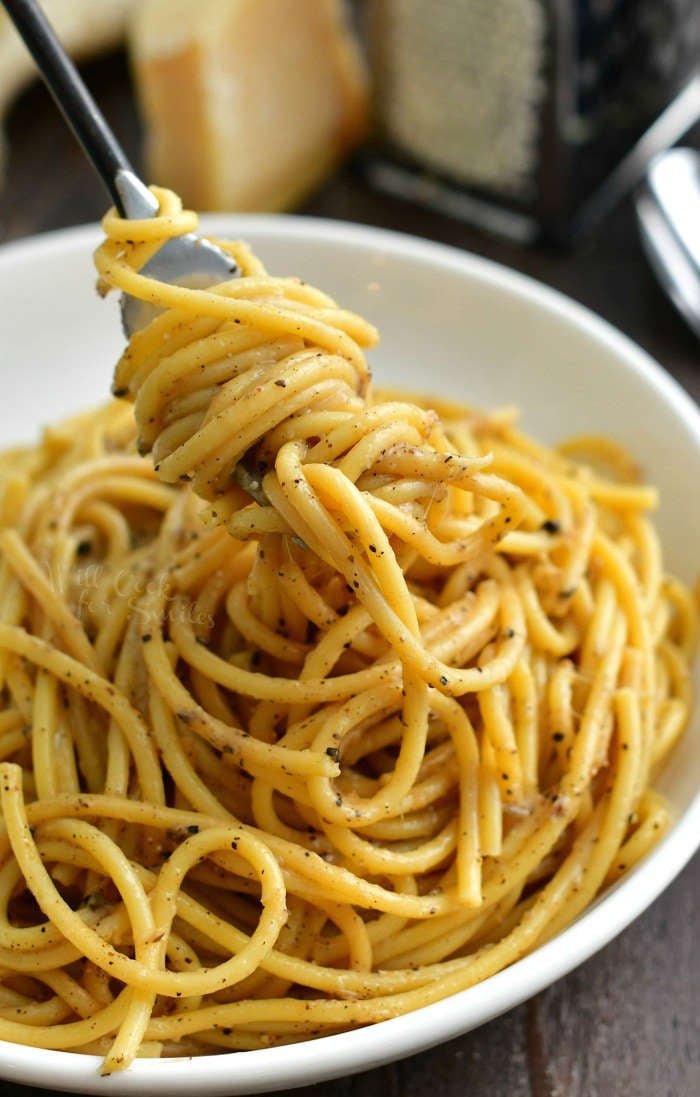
(131, 197)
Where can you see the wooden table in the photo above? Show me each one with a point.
(627, 1023)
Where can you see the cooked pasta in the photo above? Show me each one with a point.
(319, 704)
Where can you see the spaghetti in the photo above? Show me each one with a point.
(337, 706)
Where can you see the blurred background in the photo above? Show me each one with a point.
(516, 129)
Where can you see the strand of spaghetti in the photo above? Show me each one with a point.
(357, 441)
(49, 1012)
(222, 303)
(140, 1000)
(331, 544)
(68, 1034)
(653, 819)
(336, 493)
(617, 806)
(322, 689)
(126, 488)
(94, 688)
(626, 584)
(467, 545)
(26, 939)
(68, 628)
(178, 765)
(542, 632)
(133, 972)
(415, 711)
(254, 684)
(255, 756)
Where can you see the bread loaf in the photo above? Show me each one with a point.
(247, 104)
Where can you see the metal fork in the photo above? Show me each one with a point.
(185, 260)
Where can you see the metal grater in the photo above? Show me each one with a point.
(517, 114)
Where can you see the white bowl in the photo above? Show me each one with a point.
(451, 324)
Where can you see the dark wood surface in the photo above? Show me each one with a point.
(626, 1023)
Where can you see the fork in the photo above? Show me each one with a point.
(185, 260)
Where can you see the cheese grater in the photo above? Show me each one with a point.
(529, 117)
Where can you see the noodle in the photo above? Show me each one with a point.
(340, 704)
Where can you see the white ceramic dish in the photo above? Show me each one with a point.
(451, 324)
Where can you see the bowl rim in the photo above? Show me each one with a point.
(362, 1049)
